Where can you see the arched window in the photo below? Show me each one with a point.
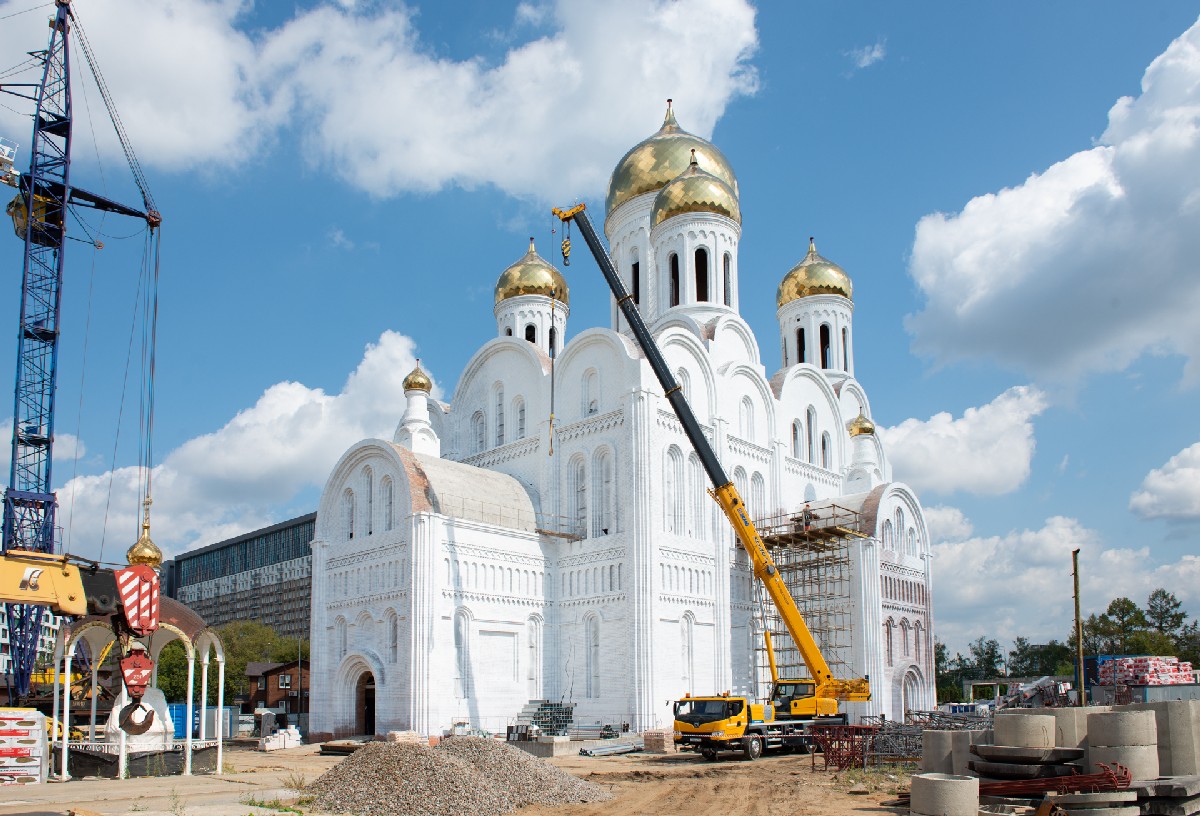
(739, 481)
(826, 347)
(687, 650)
(746, 419)
(531, 333)
(339, 630)
(673, 484)
(728, 280)
(499, 415)
(845, 349)
(462, 654)
(758, 496)
(592, 639)
(826, 453)
(508, 332)
(389, 503)
(674, 266)
(905, 648)
(579, 491)
(899, 522)
(393, 636)
(685, 384)
(479, 432)
(801, 348)
(917, 631)
(888, 626)
(533, 634)
(910, 542)
(796, 434)
(696, 496)
(887, 534)
(812, 434)
(602, 489)
(553, 341)
(369, 486)
(635, 281)
(518, 410)
(348, 512)
(701, 275)
(590, 393)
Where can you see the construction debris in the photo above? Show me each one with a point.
(461, 775)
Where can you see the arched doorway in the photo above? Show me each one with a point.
(909, 695)
(364, 704)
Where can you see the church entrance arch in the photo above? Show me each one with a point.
(364, 704)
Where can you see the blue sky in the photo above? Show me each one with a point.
(343, 182)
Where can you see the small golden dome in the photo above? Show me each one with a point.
(145, 551)
(532, 275)
(695, 190)
(418, 379)
(814, 276)
(655, 161)
(861, 425)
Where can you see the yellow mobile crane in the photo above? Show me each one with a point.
(721, 722)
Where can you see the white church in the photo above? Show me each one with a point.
(490, 555)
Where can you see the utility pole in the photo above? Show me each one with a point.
(1080, 691)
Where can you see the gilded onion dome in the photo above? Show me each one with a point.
(144, 550)
(860, 425)
(418, 379)
(695, 190)
(655, 161)
(814, 276)
(532, 275)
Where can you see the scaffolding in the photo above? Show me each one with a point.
(811, 550)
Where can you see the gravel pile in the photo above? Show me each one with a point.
(463, 776)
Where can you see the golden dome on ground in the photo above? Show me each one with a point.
(418, 379)
(861, 425)
(532, 275)
(655, 161)
(814, 276)
(695, 190)
(144, 551)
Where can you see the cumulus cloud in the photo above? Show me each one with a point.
(947, 524)
(1089, 264)
(1171, 491)
(229, 481)
(868, 55)
(372, 103)
(986, 451)
(1020, 583)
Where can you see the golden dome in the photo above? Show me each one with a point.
(814, 276)
(655, 161)
(145, 551)
(532, 276)
(417, 378)
(860, 425)
(695, 190)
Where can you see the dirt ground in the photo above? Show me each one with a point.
(262, 784)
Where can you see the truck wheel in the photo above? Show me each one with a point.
(709, 753)
(752, 747)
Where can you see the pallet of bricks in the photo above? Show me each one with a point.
(660, 741)
(24, 759)
(1145, 671)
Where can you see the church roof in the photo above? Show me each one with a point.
(465, 491)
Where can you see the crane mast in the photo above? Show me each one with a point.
(723, 491)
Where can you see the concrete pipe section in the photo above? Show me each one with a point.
(937, 752)
(1025, 730)
(1129, 738)
(935, 794)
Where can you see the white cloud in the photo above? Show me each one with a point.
(1089, 264)
(868, 55)
(985, 451)
(229, 481)
(1173, 490)
(947, 524)
(372, 103)
(1021, 584)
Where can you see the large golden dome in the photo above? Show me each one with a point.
(814, 276)
(860, 425)
(532, 275)
(652, 163)
(144, 550)
(695, 190)
(417, 378)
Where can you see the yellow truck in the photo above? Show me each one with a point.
(720, 722)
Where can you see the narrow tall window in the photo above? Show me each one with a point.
(697, 495)
(673, 484)
(579, 487)
(531, 333)
(602, 474)
(685, 384)
(348, 512)
(369, 480)
(728, 281)
(462, 659)
(520, 419)
(479, 431)
(393, 637)
(636, 282)
(590, 393)
(845, 349)
(826, 350)
(796, 439)
(812, 435)
(499, 416)
(801, 351)
(674, 264)
(826, 453)
(746, 415)
(758, 496)
(701, 275)
(389, 503)
(592, 636)
(533, 633)
(553, 341)
(686, 651)
(887, 634)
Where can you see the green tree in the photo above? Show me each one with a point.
(245, 642)
(986, 658)
(1164, 614)
(172, 672)
(1120, 621)
(1038, 660)
(948, 674)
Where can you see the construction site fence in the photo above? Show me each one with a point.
(879, 741)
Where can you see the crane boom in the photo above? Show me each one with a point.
(723, 491)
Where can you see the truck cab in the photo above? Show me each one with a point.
(797, 698)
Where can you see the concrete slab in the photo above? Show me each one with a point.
(1017, 754)
(1096, 799)
(1013, 770)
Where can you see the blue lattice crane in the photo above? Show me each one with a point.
(39, 214)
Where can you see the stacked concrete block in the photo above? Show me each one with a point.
(937, 752)
(1106, 803)
(1128, 738)
(1025, 730)
(1070, 727)
(1171, 796)
(937, 794)
(1178, 726)
(961, 754)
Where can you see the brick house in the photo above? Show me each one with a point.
(278, 686)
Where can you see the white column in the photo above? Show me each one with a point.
(187, 728)
(92, 724)
(220, 713)
(58, 661)
(65, 679)
(203, 694)
(123, 751)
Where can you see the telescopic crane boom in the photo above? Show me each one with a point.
(723, 491)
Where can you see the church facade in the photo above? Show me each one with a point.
(546, 535)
